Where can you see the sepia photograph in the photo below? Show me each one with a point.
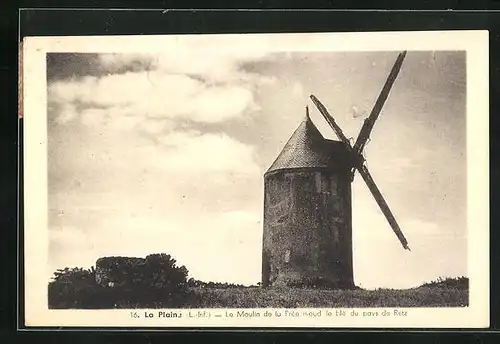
(295, 179)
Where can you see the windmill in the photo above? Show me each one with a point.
(307, 236)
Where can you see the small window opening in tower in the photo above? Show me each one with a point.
(287, 256)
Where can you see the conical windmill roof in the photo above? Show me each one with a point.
(307, 148)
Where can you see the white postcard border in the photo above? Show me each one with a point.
(475, 43)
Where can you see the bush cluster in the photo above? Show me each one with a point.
(157, 282)
(461, 283)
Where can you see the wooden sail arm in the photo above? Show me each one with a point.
(369, 122)
(383, 205)
(331, 121)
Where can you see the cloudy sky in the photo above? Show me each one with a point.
(166, 152)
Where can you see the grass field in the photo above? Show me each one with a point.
(449, 292)
(254, 297)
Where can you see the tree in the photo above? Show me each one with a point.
(162, 272)
(71, 288)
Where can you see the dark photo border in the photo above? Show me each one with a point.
(51, 22)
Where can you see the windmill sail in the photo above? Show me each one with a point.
(363, 170)
(383, 205)
(367, 127)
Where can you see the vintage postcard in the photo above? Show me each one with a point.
(333, 180)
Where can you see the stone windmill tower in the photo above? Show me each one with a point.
(307, 235)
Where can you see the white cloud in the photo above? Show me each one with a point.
(193, 152)
(118, 61)
(208, 88)
(154, 94)
(67, 113)
(198, 58)
(154, 126)
(94, 117)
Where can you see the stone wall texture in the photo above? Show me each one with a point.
(307, 228)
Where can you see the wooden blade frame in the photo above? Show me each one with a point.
(367, 127)
(363, 170)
